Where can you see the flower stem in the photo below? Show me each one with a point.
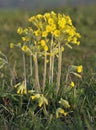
(44, 75)
(24, 68)
(52, 68)
(31, 71)
(51, 63)
(59, 68)
(37, 84)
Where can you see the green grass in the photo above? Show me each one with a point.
(83, 115)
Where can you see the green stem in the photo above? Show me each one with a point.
(59, 68)
(44, 75)
(31, 71)
(37, 84)
(24, 68)
(51, 63)
(50, 71)
(52, 68)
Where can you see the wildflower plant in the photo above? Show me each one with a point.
(45, 39)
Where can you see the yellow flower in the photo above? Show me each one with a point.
(62, 23)
(79, 68)
(19, 30)
(37, 33)
(22, 89)
(46, 48)
(42, 100)
(53, 27)
(65, 103)
(47, 15)
(72, 84)
(43, 43)
(60, 111)
(24, 48)
(48, 28)
(68, 19)
(53, 13)
(26, 38)
(50, 21)
(39, 16)
(31, 19)
(36, 96)
(44, 34)
(56, 33)
(11, 45)
(63, 49)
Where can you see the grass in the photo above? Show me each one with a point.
(83, 114)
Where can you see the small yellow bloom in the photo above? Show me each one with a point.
(39, 16)
(50, 21)
(25, 38)
(11, 45)
(24, 48)
(47, 15)
(56, 33)
(72, 84)
(48, 28)
(63, 49)
(42, 100)
(36, 96)
(37, 33)
(19, 30)
(46, 48)
(53, 26)
(60, 111)
(44, 34)
(80, 69)
(32, 97)
(43, 43)
(22, 89)
(65, 103)
(31, 19)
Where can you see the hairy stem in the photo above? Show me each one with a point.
(31, 71)
(59, 68)
(52, 68)
(44, 75)
(50, 71)
(51, 63)
(24, 68)
(37, 83)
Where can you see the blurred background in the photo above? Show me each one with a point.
(46, 4)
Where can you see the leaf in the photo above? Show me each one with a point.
(78, 75)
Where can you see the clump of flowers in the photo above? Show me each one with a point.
(45, 39)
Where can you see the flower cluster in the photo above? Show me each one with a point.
(45, 32)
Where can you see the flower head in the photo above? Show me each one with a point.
(72, 84)
(60, 111)
(79, 68)
(19, 30)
